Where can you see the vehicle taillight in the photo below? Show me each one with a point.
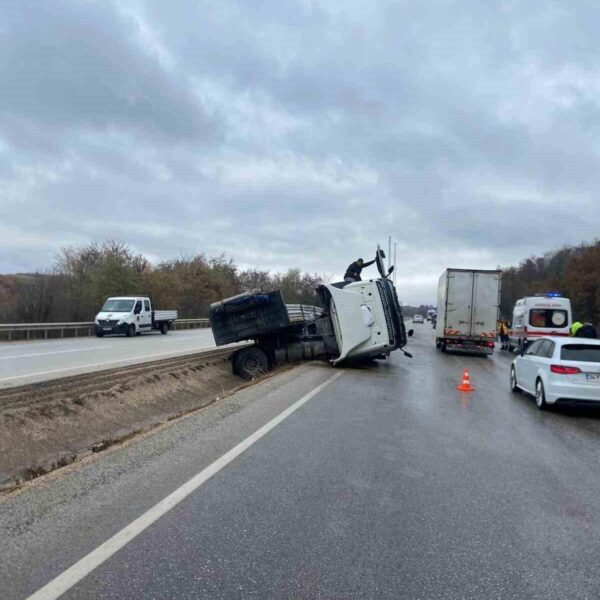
(491, 344)
(560, 370)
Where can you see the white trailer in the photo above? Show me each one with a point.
(468, 302)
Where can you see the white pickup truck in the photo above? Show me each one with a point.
(132, 315)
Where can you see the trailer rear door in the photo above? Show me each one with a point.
(460, 293)
(486, 298)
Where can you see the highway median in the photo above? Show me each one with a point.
(45, 426)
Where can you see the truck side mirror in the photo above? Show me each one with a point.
(411, 332)
(390, 270)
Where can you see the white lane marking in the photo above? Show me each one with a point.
(131, 360)
(66, 580)
(54, 352)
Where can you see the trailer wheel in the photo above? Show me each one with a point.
(164, 328)
(130, 331)
(250, 363)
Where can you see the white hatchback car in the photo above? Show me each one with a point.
(418, 319)
(557, 369)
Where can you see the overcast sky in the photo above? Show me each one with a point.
(300, 133)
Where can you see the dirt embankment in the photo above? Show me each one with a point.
(46, 426)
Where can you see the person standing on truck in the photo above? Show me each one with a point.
(354, 270)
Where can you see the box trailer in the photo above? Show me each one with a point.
(468, 302)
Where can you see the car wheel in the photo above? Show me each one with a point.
(99, 333)
(540, 395)
(513, 381)
(250, 363)
(130, 331)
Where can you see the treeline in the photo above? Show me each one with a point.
(82, 278)
(572, 271)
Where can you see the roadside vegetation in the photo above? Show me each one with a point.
(83, 277)
(573, 271)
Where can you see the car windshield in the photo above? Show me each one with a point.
(581, 353)
(547, 317)
(117, 305)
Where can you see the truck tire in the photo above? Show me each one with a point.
(164, 328)
(130, 331)
(250, 363)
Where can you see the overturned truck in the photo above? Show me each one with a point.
(360, 320)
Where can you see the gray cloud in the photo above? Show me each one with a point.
(300, 133)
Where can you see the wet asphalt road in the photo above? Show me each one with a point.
(388, 484)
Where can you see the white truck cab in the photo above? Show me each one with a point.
(132, 315)
(538, 316)
(366, 319)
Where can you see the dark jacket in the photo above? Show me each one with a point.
(354, 270)
(587, 331)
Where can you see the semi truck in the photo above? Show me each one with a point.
(132, 315)
(468, 304)
(355, 321)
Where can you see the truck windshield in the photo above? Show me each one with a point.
(117, 305)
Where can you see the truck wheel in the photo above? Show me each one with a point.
(250, 363)
(130, 331)
(164, 328)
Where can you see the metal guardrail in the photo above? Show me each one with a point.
(10, 331)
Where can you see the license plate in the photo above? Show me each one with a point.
(592, 376)
(107, 328)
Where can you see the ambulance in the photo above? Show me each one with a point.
(537, 316)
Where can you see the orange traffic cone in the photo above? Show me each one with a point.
(465, 386)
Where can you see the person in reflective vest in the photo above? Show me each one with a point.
(503, 333)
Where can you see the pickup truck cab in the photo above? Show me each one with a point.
(132, 315)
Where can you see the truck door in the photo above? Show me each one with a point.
(145, 322)
(486, 299)
(459, 298)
